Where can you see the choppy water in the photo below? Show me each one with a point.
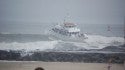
(40, 28)
(33, 37)
(45, 42)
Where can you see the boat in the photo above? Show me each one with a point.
(68, 31)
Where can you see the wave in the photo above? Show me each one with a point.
(93, 42)
(41, 45)
(99, 42)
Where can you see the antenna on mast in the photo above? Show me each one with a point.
(66, 17)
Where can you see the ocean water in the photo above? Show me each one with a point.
(116, 30)
(32, 36)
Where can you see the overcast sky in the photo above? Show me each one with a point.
(82, 11)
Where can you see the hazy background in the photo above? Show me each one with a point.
(32, 16)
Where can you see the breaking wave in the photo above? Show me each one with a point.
(93, 42)
(41, 45)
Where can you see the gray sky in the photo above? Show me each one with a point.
(81, 11)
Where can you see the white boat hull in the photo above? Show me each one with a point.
(66, 38)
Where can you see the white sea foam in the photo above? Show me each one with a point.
(93, 42)
(99, 42)
(41, 45)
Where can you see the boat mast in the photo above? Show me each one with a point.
(124, 28)
(66, 18)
